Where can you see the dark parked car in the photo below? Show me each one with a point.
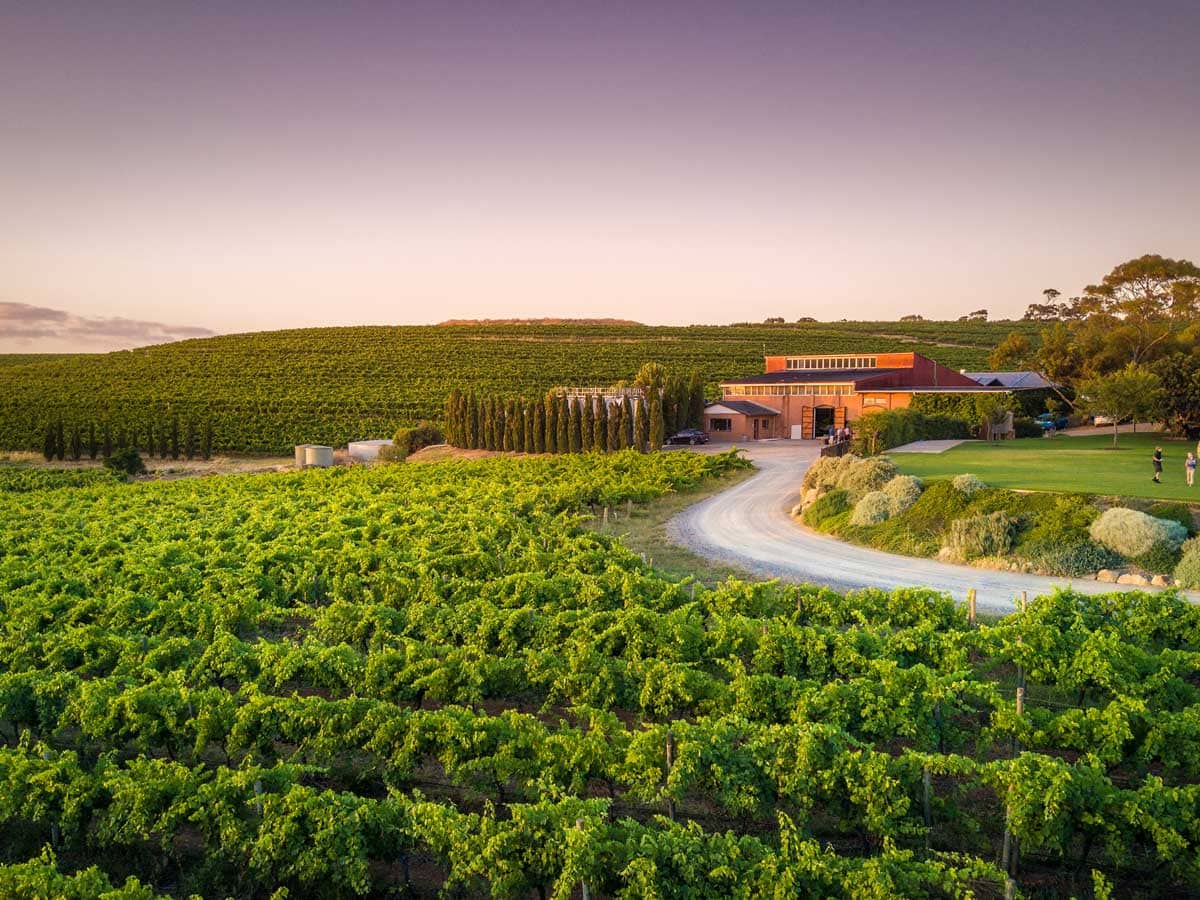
(1051, 422)
(689, 436)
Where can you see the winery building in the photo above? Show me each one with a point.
(802, 396)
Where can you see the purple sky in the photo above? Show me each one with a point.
(328, 163)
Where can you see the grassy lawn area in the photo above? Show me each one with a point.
(1087, 465)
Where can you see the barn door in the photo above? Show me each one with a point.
(806, 422)
(839, 417)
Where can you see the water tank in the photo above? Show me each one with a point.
(318, 456)
(365, 451)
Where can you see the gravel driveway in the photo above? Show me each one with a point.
(749, 526)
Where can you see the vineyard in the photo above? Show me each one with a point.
(264, 392)
(413, 680)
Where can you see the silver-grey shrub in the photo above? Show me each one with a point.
(967, 484)
(866, 475)
(902, 492)
(1132, 533)
(873, 508)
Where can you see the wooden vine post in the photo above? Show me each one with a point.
(971, 607)
(1008, 855)
(583, 886)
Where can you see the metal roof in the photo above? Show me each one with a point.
(744, 407)
(1017, 381)
(812, 376)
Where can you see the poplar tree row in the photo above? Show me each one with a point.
(166, 439)
(555, 424)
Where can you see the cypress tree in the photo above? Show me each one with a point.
(526, 427)
(550, 420)
(498, 408)
(562, 439)
(189, 440)
(654, 409)
(174, 437)
(510, 427)
(472, 421)
(93, 449)
(587, 425)
(495, 421)
(48, 446)
(121, 441)
(695, 417)
(206, 442)
(612, 415)
(626, 422)
(574, 424)
(108, 443)
(600, 426)
(150, 445)
(641, 426)
(450, 417)
(60, 441)
(539, 427)
(164, 441)
(487, 422)
(76, 443)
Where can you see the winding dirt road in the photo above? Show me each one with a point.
(749, 526)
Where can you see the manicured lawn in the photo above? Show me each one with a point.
(1084, 464)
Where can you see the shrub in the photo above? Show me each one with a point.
(1025, 427)
(126, 461)
(873, 508)
(984, 534)
(393, 453)
(902, 492)
(1063, 522)
(1135, 534)
(1161, 560)
(826, 507)
(1176, 512)
(866, 475)
(1072, 558)
(967, 484)
(824, 473)
(1187, 571)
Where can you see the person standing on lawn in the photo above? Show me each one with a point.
(1157, 458)
(1189, 468)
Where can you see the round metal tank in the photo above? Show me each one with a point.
(318, 456)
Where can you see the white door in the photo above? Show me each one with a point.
(797, 432)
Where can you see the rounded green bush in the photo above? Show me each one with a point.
(874, 507)
(983, 534)
(967, 484)
(1187, 572)
(826, 507)
(902, 492)
(1135, 534)
(1073, 558)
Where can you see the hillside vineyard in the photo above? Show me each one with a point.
(437, 678)
(265, 392)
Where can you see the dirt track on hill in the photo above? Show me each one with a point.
(750, 526)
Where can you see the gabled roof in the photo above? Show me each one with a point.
(741, 407)
(1015, 381)
(811, 376)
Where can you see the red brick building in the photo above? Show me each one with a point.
(802, 396)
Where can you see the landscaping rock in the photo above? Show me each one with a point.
(1136, 580)
(797, 509)
(1107, 575)
(1160, 581)
(811, 496)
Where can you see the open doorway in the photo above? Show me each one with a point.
(822, 421)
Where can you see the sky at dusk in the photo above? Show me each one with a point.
(170, 169)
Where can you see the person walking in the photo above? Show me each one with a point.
(1189, 468)
(1157, 459)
